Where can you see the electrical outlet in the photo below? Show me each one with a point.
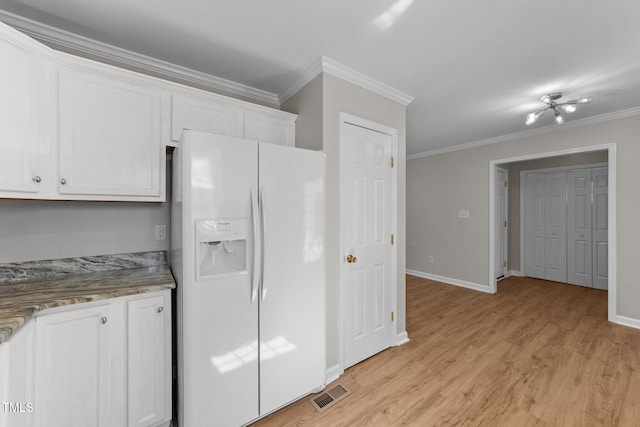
(161, 232)
(431, 258)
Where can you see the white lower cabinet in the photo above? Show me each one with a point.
(16, 379)
(149, 360)
(74, 351)
(105, 364)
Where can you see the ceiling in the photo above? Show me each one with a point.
(475, 69)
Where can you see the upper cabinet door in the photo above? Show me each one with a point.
(205, 114)
(110, 146)
(272, 127)
(21, 168)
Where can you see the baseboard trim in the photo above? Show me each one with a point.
(627, 321)
(515, 273)
(333, 373)
(402, 338)
(450, 281)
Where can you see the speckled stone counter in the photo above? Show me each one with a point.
(22, 296)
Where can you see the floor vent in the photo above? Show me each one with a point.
(328, 398)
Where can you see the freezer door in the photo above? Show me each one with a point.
(292, 296)
(219, 320)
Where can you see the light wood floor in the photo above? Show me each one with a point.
(537, 353)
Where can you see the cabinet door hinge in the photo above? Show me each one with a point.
(393, 162)
(392, 239)
(392, 316)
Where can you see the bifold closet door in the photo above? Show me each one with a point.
(556, 226)
(545, 230)
(600, 220)
(579, 240)
(534, 226)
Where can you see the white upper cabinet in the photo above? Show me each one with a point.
(209, 112)
(205, 114)
(22, 161)
(272, 127)
(76, 129)
(110, 142)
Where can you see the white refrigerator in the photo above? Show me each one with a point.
(247, 253)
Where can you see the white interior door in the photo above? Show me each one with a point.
(600, 218)
(556, 226)
(534, 227)
(501, 223)
(579, 227)
(366, 228)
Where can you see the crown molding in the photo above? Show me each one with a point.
(329, 66)
(630, 112)
(83, 44)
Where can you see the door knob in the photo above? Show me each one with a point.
(351, 259)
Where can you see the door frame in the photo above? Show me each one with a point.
(346, 118)
(505, 209)
(612, 149)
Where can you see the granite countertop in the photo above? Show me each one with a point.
(22, 298)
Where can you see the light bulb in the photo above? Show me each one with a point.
(583, 100)
(569, 108)
(532, 117)
(545, 98)
(559, 118)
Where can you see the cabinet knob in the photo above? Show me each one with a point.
(37, 179)
(104, 320)
(160, 309)
(63, 181)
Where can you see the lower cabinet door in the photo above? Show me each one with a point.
(149, 360)
(73, 378)
(18, 405)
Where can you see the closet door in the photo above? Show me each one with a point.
(534, 230)
(556, 226)
(579, 228)
(600, 218)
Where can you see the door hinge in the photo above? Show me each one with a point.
(393, 162)
(504, 264)
(392, 316)
(392, 239)
(505, 224)
(506, 184)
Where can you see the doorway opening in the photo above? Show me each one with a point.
(549, 160)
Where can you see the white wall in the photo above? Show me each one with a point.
(439, 185)
(33, 230)
(38, 230)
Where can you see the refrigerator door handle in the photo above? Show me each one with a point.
(256, 252)
(263, 289)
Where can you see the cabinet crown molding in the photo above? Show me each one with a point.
(48, 34)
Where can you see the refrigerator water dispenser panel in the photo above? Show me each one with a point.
(221, 247)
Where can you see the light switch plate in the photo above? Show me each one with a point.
(464, 214)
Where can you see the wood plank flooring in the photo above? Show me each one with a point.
(537, 353)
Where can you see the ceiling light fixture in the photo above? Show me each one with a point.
(550, 100)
